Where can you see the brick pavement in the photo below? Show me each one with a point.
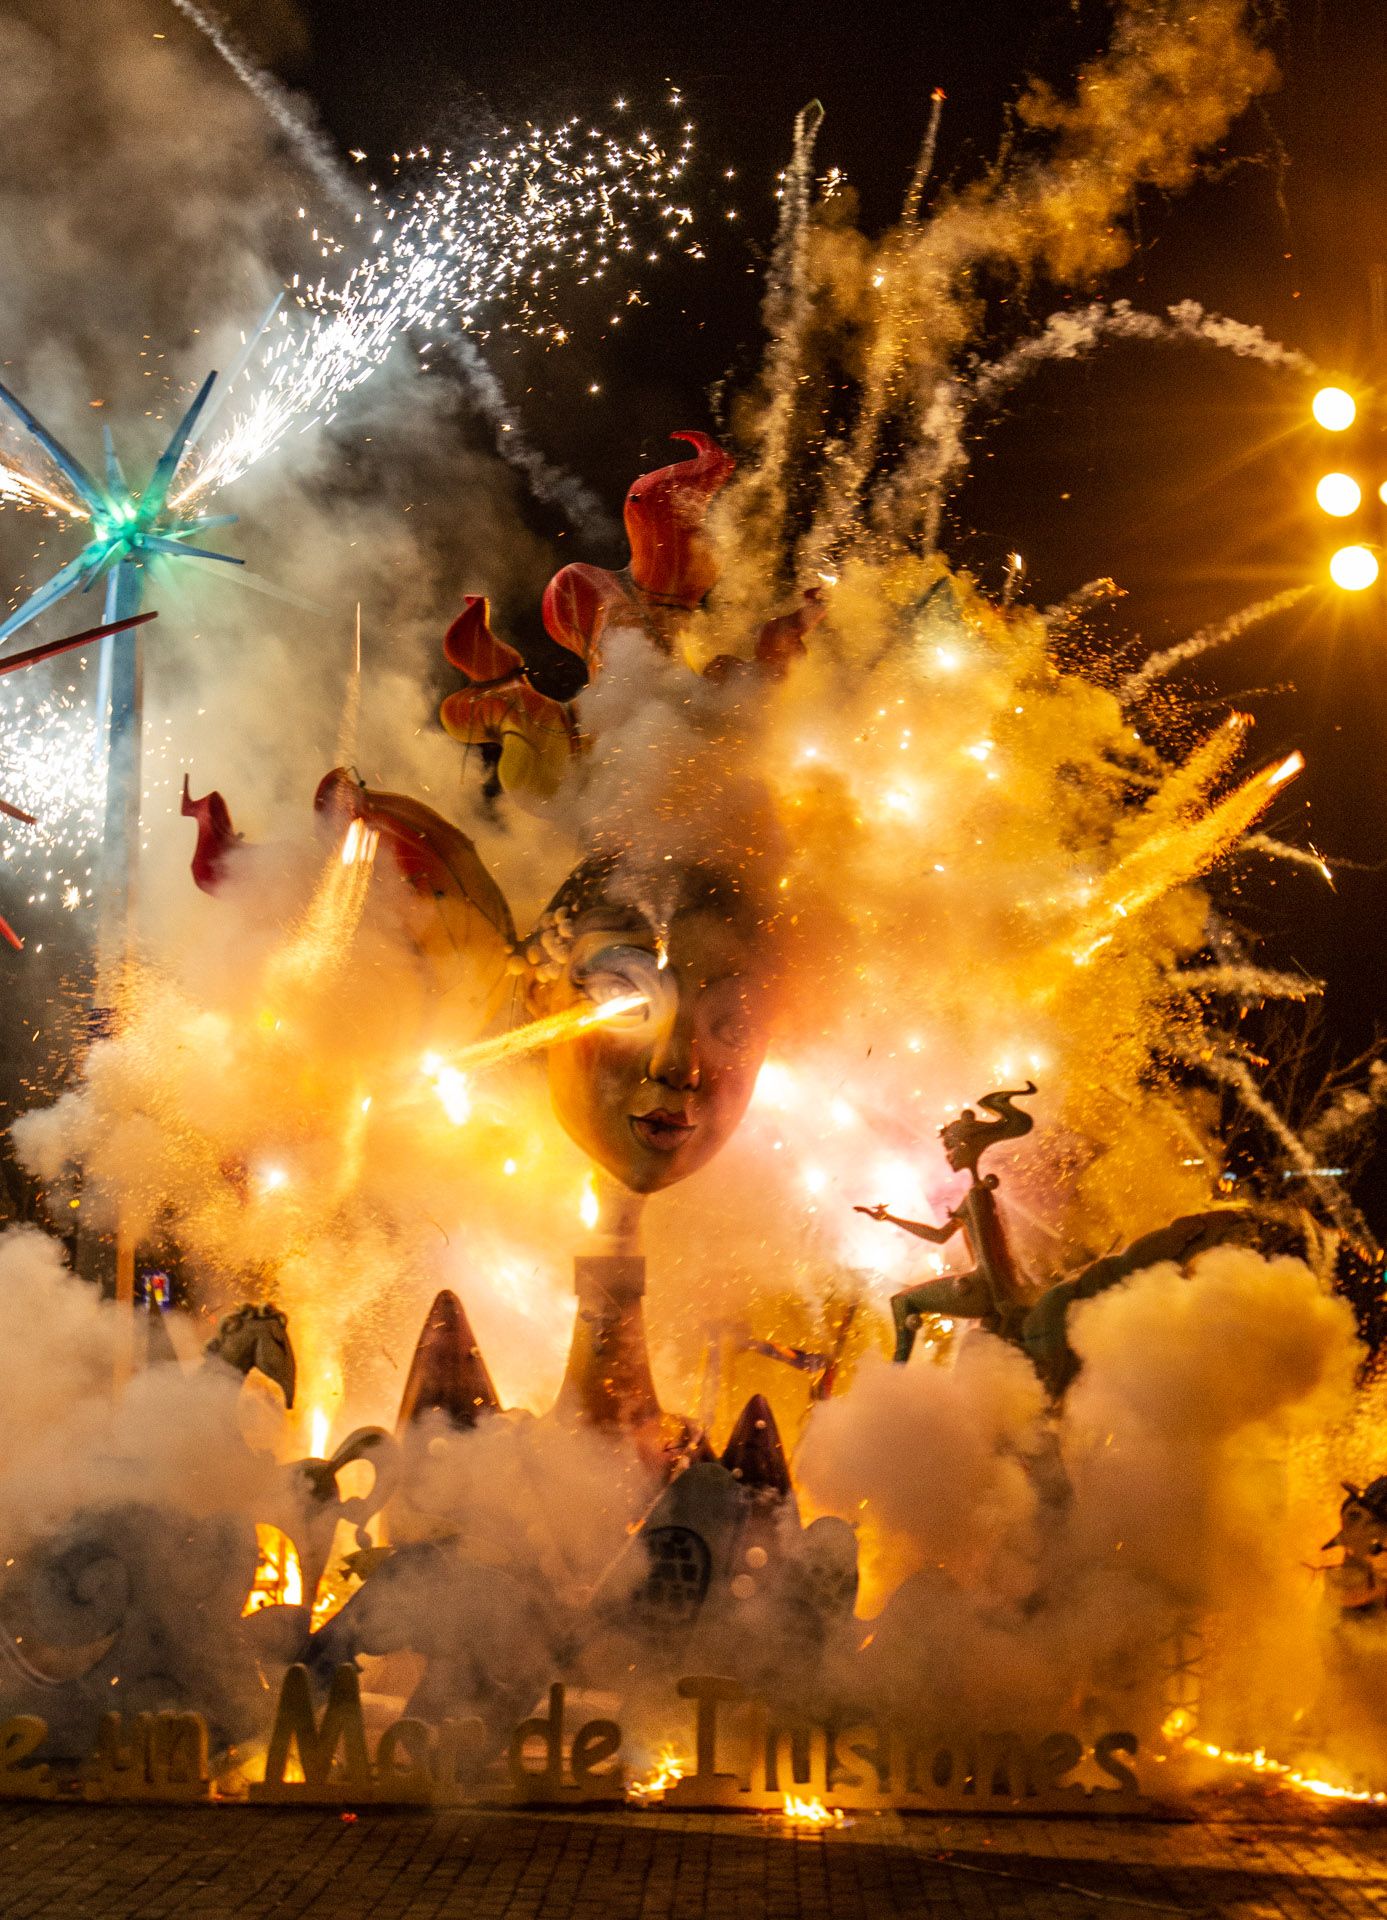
(130, 1863)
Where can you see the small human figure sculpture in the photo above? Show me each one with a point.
(992, 1291)
(1359, 1584)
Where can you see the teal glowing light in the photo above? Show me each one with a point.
(128, 529)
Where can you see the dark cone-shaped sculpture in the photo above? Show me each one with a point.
(447, 1374)
(159, 1350)
(754, 1454)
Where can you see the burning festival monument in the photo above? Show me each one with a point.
(521, 1119)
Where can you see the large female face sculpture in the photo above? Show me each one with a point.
(653, 1094)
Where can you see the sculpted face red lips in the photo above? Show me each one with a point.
(663, 1129)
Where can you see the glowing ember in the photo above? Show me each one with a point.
(359, 845)
(452, 1089)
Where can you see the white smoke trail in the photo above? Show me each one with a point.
(287, 112)
(1208, 638)
(1298, 856)
(924, 165)
(785, 313)
(549, 482)
(1235, 1074)
(1069, 334)
(1093, 593)
(1247, 984)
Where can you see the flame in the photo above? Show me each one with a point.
(1259, 1760)
(669, 1768)
(359, 843)
(812, 1813)
(278, 1580)
(587, 1206)
(318, 1429)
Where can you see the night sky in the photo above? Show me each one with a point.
(1184, 473)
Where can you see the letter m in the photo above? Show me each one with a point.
(317, 1743)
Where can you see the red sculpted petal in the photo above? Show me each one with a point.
(473, 648)
(664, 517)
(782, 640)
(483, 718)
(579, 603)
(216, 837)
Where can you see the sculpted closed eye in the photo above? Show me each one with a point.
(616, 971)
(729, 1015)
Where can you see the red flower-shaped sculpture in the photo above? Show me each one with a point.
(532, 735)
(671, 571)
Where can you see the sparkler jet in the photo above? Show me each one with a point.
(30, 658)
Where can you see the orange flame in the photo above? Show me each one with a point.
(812, 1813)
(1260, 1761)
(669, 1768)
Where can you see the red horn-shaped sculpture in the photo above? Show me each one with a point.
(216, 837)
(447, 1374)
(665, 511)
(672, 565)
(580, 603)
(534, 736)
(471, 646)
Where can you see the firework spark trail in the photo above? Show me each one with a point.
(924, 165)
(1208, 638)
(1299, 856)
(51, 768)
(1232, 1072)
(550, 1031)
(1178, 848)
(321, 942)
(21, 488)
(481, 232)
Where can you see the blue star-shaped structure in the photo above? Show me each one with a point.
(127, 528)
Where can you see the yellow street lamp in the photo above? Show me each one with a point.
(1334, 409)
(1354, 569)
(1339, 494)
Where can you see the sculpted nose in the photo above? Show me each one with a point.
(674, 1058)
